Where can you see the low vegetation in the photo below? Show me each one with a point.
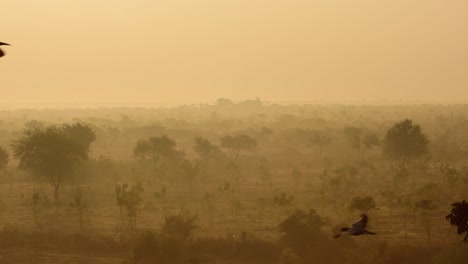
(234, 182)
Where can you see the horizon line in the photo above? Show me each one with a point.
(170, 104)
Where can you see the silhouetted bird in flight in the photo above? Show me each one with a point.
(1, 52)
(357, 229)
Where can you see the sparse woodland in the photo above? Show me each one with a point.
(234, 182)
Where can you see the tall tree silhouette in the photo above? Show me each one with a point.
(235, 144)
(459, 217)
(425, 208)
(205, 149)
(319, 141)
(405, 141)
(54, 152)
(161, 152)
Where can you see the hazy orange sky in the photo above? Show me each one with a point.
(200, 50)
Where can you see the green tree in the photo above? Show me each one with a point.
(209, 201)
(318, 141)
(205, 149)
(130, 199)
(34, 124)
(405, 141)
(459, 217)
(155, 148)
(120, 200)
(424, 208)
(83, 134)
(354, 137)
(264, 172)
(451, 174)
(162, 154)
(231, 196)
(188, 172)
(251, 103)
(364, 204)
(360, 141)
(35, 203)
(296, 175)
(54, 152)
(261, 206)
(235, 144)
(369, 141)
(179, 225)
(283, 203)
(224, 102)
(283, 200)
(80, 205)
(405, 202)
(161, 197)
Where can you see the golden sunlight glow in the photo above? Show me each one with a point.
(191, 51)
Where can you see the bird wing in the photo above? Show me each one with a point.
(1, 53)
(361, 224)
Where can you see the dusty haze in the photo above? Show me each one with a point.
(184, 51)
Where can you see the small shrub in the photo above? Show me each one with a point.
(147, 248)
(178, 225)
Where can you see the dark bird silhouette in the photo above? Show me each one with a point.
(1, 52)
(357, 229)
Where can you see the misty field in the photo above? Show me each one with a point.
(228, 182)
